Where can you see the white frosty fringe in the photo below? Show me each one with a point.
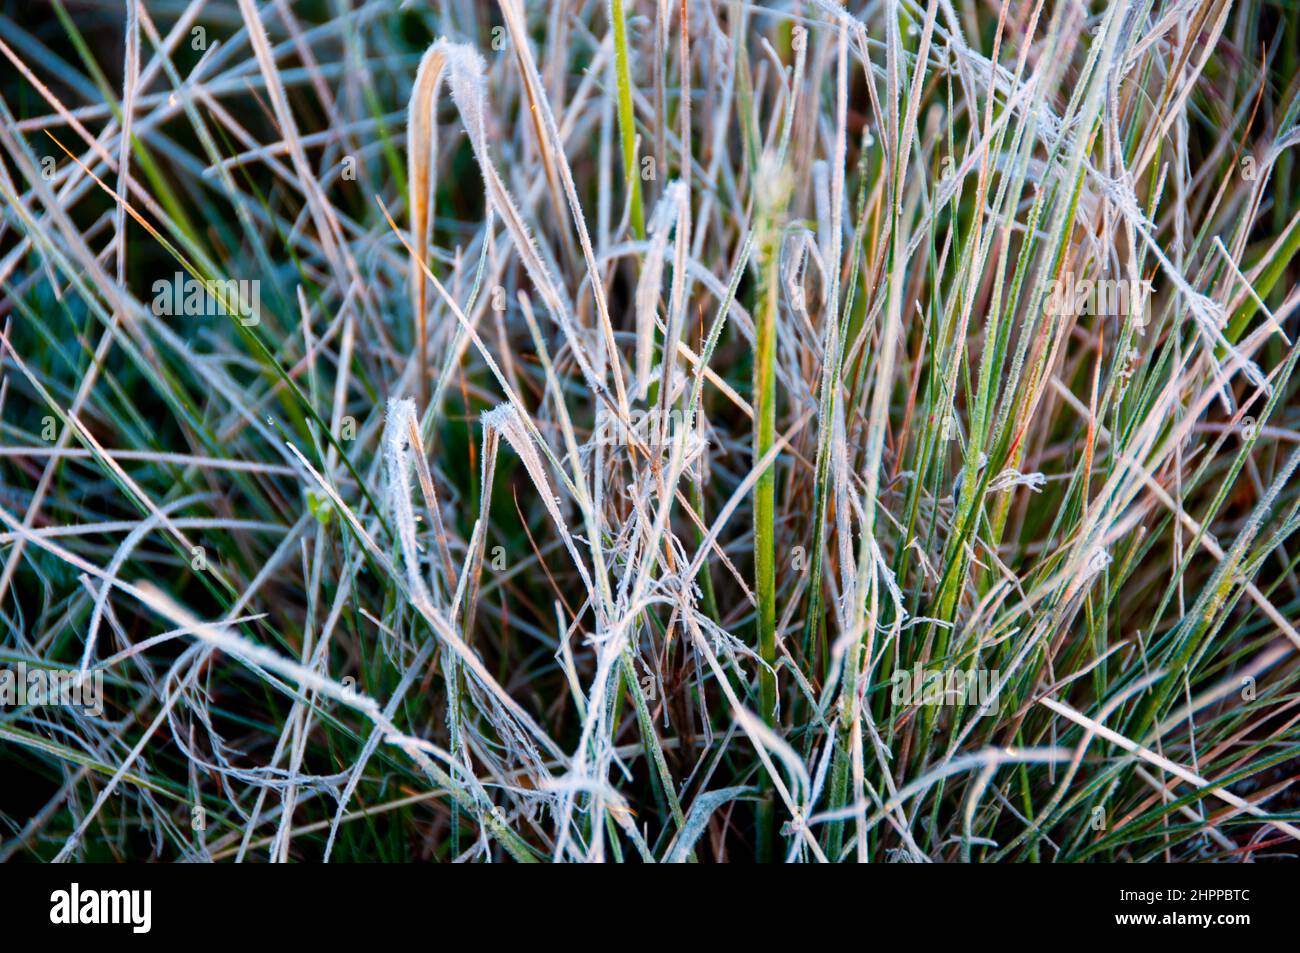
(1011, 478)
(672, 212)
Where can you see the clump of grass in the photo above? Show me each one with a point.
(708, 432)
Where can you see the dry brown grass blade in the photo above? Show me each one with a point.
(421, 143)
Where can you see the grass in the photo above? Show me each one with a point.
(627, 118)
(659, 433)
(773, 197)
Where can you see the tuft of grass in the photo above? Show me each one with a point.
(786, 431)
